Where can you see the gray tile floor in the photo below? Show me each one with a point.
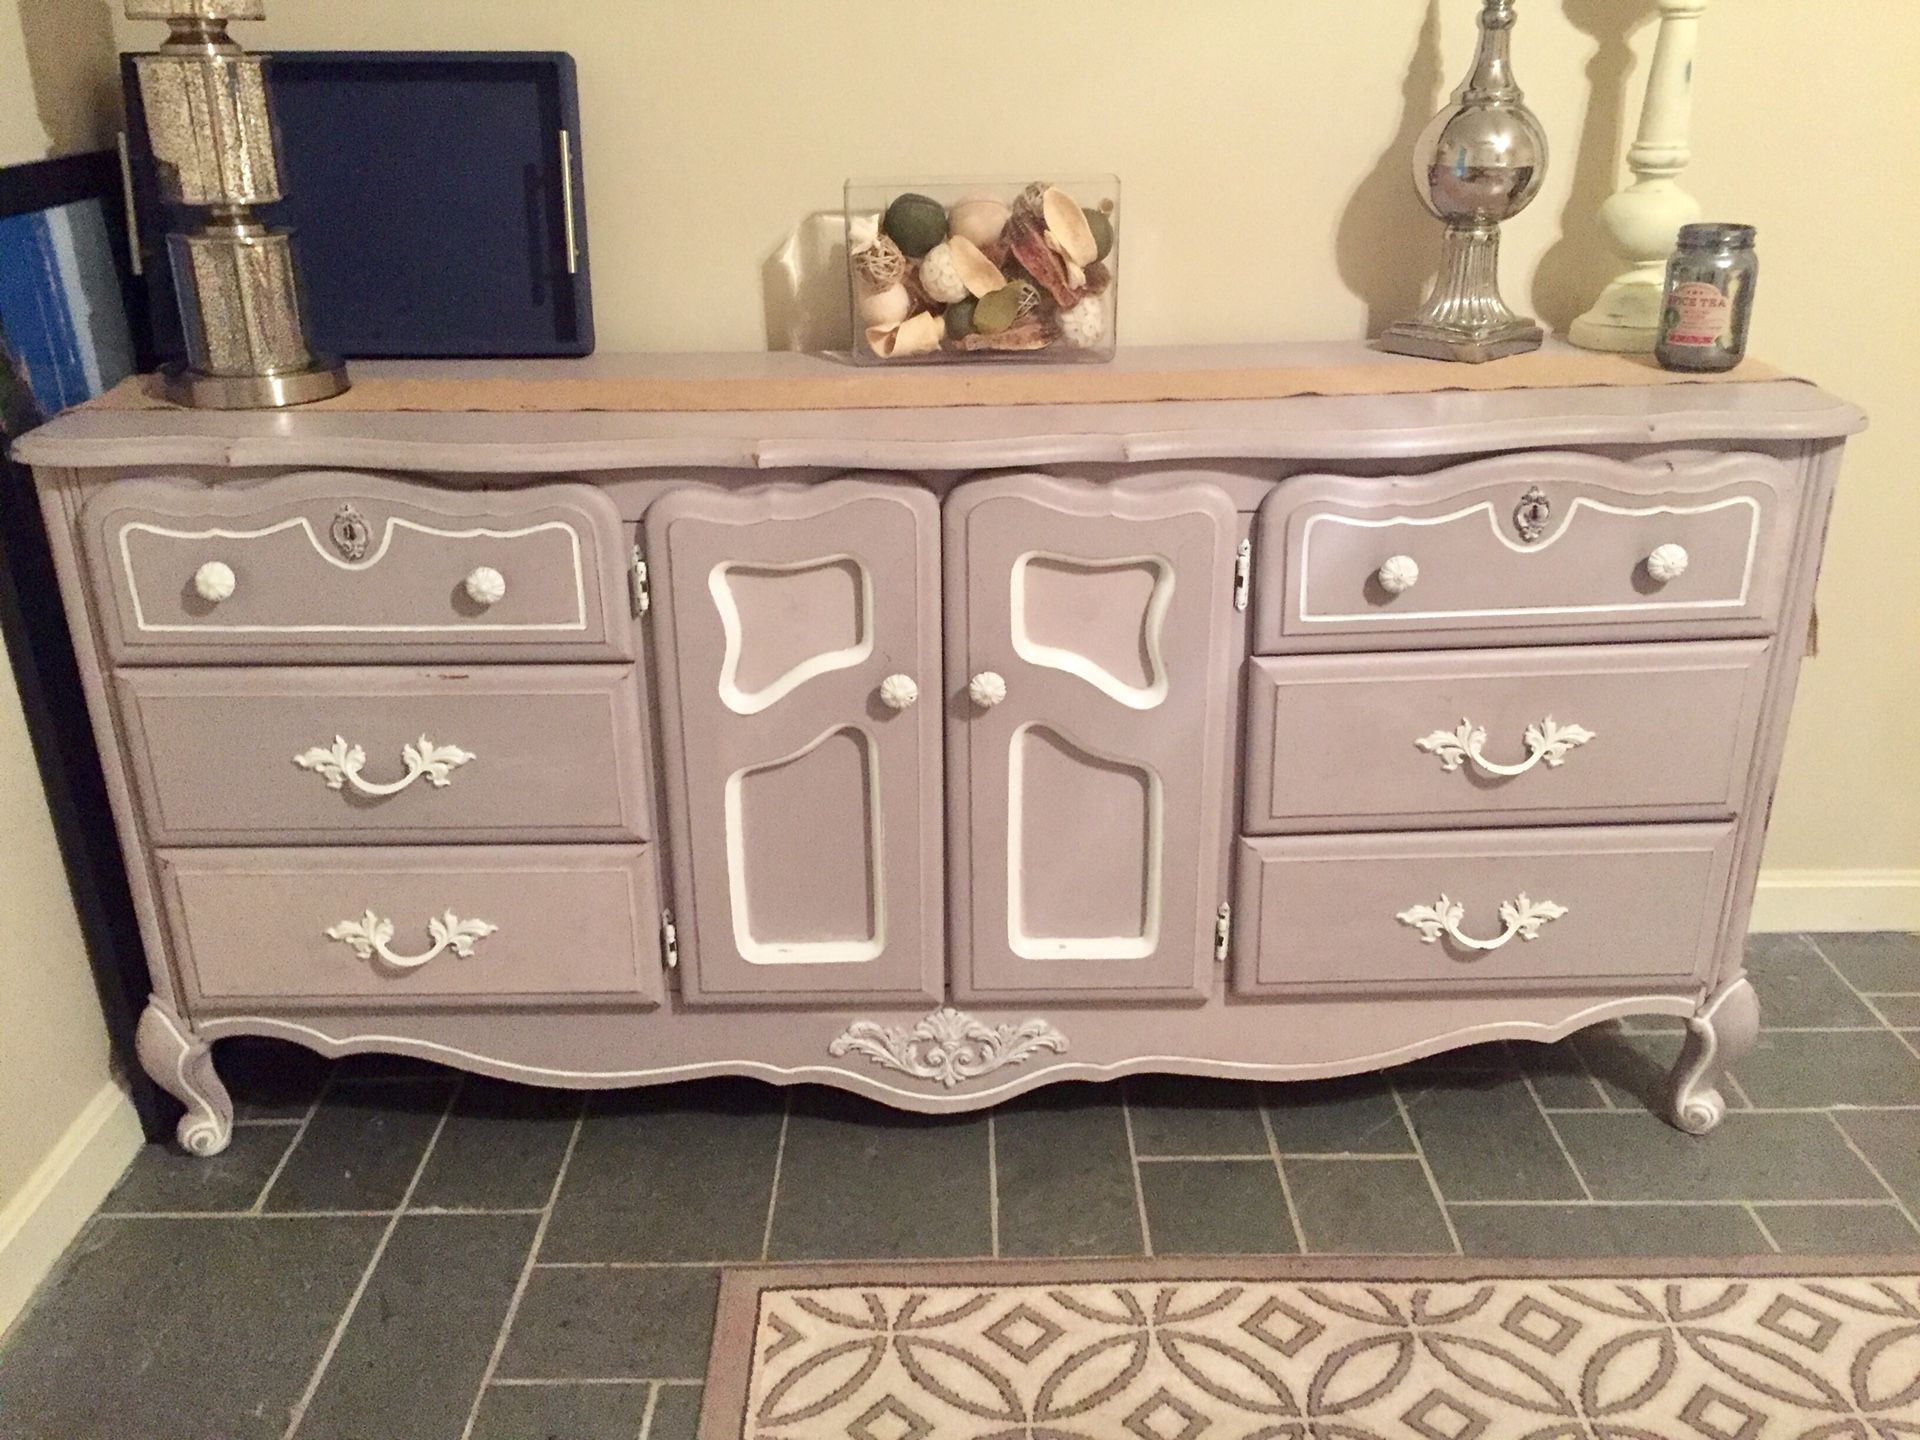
(389, 1250)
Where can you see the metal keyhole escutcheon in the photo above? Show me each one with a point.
(1531, 515)
(350, 533)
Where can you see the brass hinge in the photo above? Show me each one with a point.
(642, 596)
(1242, 574)
(1223, 931)
(670, 939)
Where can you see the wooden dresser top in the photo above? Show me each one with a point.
(1326, 401)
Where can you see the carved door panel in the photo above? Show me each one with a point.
(793, 630)
(1089, 670)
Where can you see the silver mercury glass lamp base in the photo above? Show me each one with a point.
(1465, 319)
(1410, 338)
(321, 379)
(1479, 162)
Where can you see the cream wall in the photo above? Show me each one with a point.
(65, 1130)
(1263, 148)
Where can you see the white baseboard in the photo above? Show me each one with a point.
(1836, 900)
(39, 1222)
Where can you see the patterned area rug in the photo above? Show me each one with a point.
(1310, 1350)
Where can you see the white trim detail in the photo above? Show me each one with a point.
(394, 522)
(78, 1171)
(368, 937)
(1548, 740)
(1521, 916)
(342, 763)
(1152, 622)
(851, 951)
(1486, 507)
(752, 702)
(218, 1027)
(948, 1046)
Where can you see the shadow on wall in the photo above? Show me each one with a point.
(75, 70)
(1388, 246)
(1581, 262)
(808, 306)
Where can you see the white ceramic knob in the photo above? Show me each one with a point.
(1667, 562)
(898, 692)
(486, 586)
(214, 582)
(1398, 574)
(987, 689)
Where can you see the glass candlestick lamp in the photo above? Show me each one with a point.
(1479, 162)
(214, 149)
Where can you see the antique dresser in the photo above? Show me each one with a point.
(941, 751)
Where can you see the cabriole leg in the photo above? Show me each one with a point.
(182, 1065)
(1722, 1032)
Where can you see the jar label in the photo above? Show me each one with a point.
(1698, 315)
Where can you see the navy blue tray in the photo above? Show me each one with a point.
(428, 198)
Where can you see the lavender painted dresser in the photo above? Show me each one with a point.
(943, 753)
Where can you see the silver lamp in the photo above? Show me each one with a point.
(213, 146)
(1479, 162)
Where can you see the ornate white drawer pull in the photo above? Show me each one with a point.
(1549, 741)
(214, 582)
(898, 692)
(1523, 917)
(342, 763)
(1667, 562)
(368, 937)
(987, 689)
(1398, 574)
(486, 586)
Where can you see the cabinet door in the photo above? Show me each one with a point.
(1089, 667)
(793, 628)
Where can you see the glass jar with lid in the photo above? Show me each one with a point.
(1709, 299)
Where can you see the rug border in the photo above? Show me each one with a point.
(723, 1400)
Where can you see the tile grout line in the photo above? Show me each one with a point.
(1862, 996)
(1754, 1215)
(1133, 1168)
(1426, 1167)
(1873, 1170)
(993, 1187)
(526, 1273)
(779, 1161)
(1580, 1053)
(1558, 1138)
(297, 1416)
(1756, 1110)
(260, 1201)
(1805, 1203)
(1286, 1190)
(646, 1416)
(561, 1382)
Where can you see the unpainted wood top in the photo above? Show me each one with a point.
(1300, 427)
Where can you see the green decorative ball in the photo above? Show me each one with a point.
(916, 223)
(960, 318)
(994, 313)
(1102, 228)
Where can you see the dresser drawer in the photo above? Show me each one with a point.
(449, 927)
(1606, 907)
(323, 565)
(379, 755)
(1526, 547)
(1499, 737)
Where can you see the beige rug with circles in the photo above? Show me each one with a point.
(1319, 1349)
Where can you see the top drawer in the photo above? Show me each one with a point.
(329, 566)
(1540, 548)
